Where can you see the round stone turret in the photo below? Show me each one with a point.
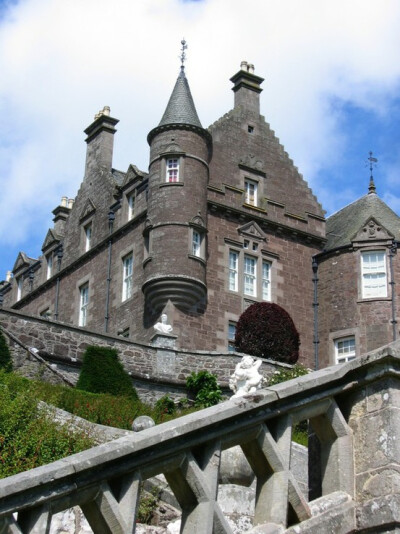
(176, 229)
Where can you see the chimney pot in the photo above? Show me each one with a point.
(64, 201)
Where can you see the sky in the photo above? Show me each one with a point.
(331, 91)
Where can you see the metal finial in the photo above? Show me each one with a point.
(372, 163)
(183, 54)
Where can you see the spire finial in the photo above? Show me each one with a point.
(183, 53)
(372, 162)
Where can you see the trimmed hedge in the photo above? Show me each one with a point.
(5, 355)
(266, 330)
(102, 372)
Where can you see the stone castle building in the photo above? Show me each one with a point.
(221, 219)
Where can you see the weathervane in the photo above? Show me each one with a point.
(183, 54)
(372, 163)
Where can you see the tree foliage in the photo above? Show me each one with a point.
(5, 355)
(102, 372)
(266, 330)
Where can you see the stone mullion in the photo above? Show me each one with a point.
(337, 462)
(8, 525)
(276, 487)
(103, 513)
(35, 520)
(196, 487)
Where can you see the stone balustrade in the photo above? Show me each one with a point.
(353, 410)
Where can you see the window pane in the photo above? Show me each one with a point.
(249, 276)
(127, 282)
(345, 349)
(196, 244)
(266, 280)
(374, 280)
(233, 270)
(172, 170)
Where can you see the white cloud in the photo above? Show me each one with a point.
(61, 62)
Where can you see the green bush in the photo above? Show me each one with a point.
(28, 438)
(204, 387)
(5, 355)
(102, 372)
(266, 330)
(165, 406)
(287, 374)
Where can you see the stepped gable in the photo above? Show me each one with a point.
(342, 226)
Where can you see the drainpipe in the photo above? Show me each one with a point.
(111, 218)
(392, 253)
(315, 306)
(60, 254)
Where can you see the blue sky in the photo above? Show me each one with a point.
(331, 91)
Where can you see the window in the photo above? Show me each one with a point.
(49, 266)
(88, 236)
(196, 244)
(19, 287)
(373, 273)
(250, 276)
(127, 278)
(131, 206)
(231, 336)
(345, 349)
(83, 304)
(250, 192)
(172, 170)
(266, 280)
(233, 270)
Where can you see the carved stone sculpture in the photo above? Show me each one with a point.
(246, 378)
(163, 327)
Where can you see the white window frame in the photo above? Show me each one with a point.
(88, 230)
(127, 277)
(172, 170)
(373, 274)
(83, 304)
(233, 270)
(49, 272)
(345, 349)
(250, 192)
(249, 276)
(131, 205)
(266, 267)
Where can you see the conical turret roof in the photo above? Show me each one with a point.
(181, 108)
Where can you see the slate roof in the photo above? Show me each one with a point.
(342, 226)
(180, 108)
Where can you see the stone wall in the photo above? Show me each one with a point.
(155, 371)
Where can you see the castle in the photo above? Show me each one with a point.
(222, 219)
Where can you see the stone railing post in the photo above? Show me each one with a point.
(375, 420)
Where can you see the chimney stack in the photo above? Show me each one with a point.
(100, 142)
(247, 88)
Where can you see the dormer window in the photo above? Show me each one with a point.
(49, 272)
(88, 236)
(250, 192)
(172, 174)
(19, 287)
(131, 206)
